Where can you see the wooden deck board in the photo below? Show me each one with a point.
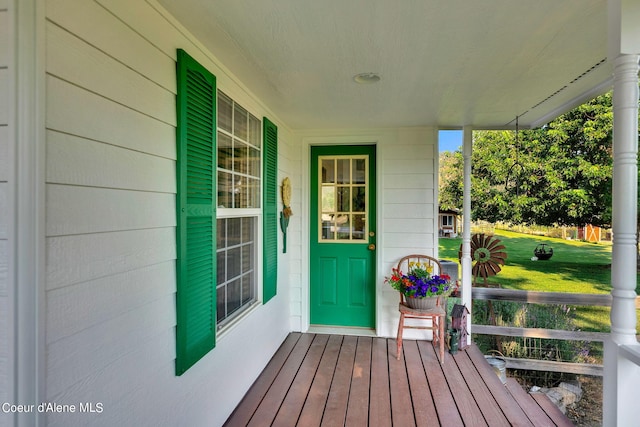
(315, 403)
(445, 404)
(467, 405)
(322, 380)
(296, 396)
(481, 393)
(336, 407)
(537, 416)
(402, 407)
(380, 400)
(358, 408)
(551, 410)
(423, 406)
(503, 398)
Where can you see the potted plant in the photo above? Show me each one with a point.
(420, 289)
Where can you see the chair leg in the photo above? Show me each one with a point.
(441, 337)
(399, 336)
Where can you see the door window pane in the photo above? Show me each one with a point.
(344, 171)
(358, 201)
(328, 228)
(343, 199)
(328, 171)
(359, 227)
(328, 199)
(344, 227)
(359, 171)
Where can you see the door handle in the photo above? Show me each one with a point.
(371, 247)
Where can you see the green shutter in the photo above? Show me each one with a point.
(270, 210)
(196, 214)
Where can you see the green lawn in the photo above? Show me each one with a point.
(576, 267)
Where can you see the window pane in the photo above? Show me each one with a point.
(225, 190)
(359, 171)
(255, 131)
(344, 227)
(344, 175)
(240, 192)
(253, 193)
(328, 228)
(234, 299)
(359, 227)
(225, 155)
(221, 303)
(328, 199)
(247, 230)
(234, 262)
(240, 122)
(358, 199)
(343, 199)
(221, 231)
(225, 112)
(221, 267)
(328, 172)
(247, 288)
(234, 231)
(247, 258)
(240, 155)
(254, 162)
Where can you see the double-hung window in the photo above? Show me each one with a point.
(238, 201)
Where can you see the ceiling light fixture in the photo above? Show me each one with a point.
(366, 78)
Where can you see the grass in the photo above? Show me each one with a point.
(576, 267)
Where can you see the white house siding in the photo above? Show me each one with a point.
(5, 41)
(406, 206)
(110, 225)
(408, 210)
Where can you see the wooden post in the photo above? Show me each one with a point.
(466, 228)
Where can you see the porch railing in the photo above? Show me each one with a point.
(558, 298)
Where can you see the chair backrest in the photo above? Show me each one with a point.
(403, 265)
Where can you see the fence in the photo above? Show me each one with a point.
(552, 360)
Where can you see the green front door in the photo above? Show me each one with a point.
(343, 236)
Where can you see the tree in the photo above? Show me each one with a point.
(558, 174)
(450, 182)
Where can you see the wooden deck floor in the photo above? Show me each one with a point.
(335, 380)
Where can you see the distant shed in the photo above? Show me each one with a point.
(448, 223)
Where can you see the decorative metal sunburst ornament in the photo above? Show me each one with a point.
(488, 255)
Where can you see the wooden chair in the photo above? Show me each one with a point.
(436, 315)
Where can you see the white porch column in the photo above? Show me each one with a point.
(625, 190)
(621, 375)
(466, 226)
(621, 370)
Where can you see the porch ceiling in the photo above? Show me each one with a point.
(443, 63)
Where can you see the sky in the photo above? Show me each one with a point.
(450, 140)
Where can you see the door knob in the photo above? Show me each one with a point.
(371, 247)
